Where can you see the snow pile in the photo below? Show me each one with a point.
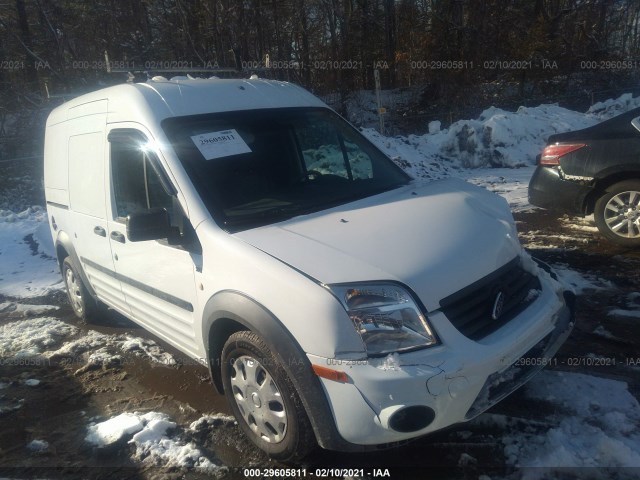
(91, 340)
(153, 444)
(28, 266)
(48, 337)
(100, 349)
(30, 338)
(596, 424)
(497, 138)
(211, 420)
(501, 138)
(144, 348)
(612, 107)
(114, 429)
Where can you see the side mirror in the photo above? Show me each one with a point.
(152, 224)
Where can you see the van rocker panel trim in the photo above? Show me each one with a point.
(167, 297)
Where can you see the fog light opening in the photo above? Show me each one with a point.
(411, 419)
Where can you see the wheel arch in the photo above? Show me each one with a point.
(604, 180)
(230, 311)
(64, 248)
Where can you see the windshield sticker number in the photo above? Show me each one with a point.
(220, 144)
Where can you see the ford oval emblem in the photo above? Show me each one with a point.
(498, 306)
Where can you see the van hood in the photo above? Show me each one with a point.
(436, 238)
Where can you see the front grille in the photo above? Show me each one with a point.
(471, 310)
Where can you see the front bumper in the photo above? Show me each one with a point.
(547, 189)
(454, 381)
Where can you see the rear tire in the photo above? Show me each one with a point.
(617, 213)
(83, 305)
(263, 398)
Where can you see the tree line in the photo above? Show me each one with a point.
(328, 46)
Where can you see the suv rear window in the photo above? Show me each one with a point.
(258, 167)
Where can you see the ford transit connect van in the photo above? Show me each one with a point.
(335, 300)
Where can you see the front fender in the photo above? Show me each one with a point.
(230, 311)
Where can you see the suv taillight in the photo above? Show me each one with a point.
(551, 154)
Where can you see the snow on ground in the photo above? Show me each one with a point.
(210, 420)
(580, 283)
(510, 183)
(596, 423)
(28, 267)
(156, 440)
(31, 338)
(632, 310)
(50, 338)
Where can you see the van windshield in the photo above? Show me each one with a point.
(257, 167)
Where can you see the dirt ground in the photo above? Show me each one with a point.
(69, 396)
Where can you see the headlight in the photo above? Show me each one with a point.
(386, 317)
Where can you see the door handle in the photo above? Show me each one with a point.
(100, 231)
(117, 236)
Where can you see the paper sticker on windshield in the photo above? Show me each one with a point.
(220, 144)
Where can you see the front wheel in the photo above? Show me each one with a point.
(263, 398)
(617, 213)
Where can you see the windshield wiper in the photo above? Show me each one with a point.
(279, 213)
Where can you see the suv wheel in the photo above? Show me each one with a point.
(617, 213)
(263, 399)
(84, 306)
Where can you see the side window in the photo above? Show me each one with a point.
(136, 185)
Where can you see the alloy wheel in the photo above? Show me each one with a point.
(622, 214)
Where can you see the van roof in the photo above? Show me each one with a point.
(159, 98)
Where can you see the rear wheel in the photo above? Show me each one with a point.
(83, 305)
(263, 398)
(617, 213)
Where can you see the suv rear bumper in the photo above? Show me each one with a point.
(548, 190)
(447, 384)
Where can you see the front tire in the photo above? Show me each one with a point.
(263, 398)
(617, 213)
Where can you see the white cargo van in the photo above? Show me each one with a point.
(334, 299)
